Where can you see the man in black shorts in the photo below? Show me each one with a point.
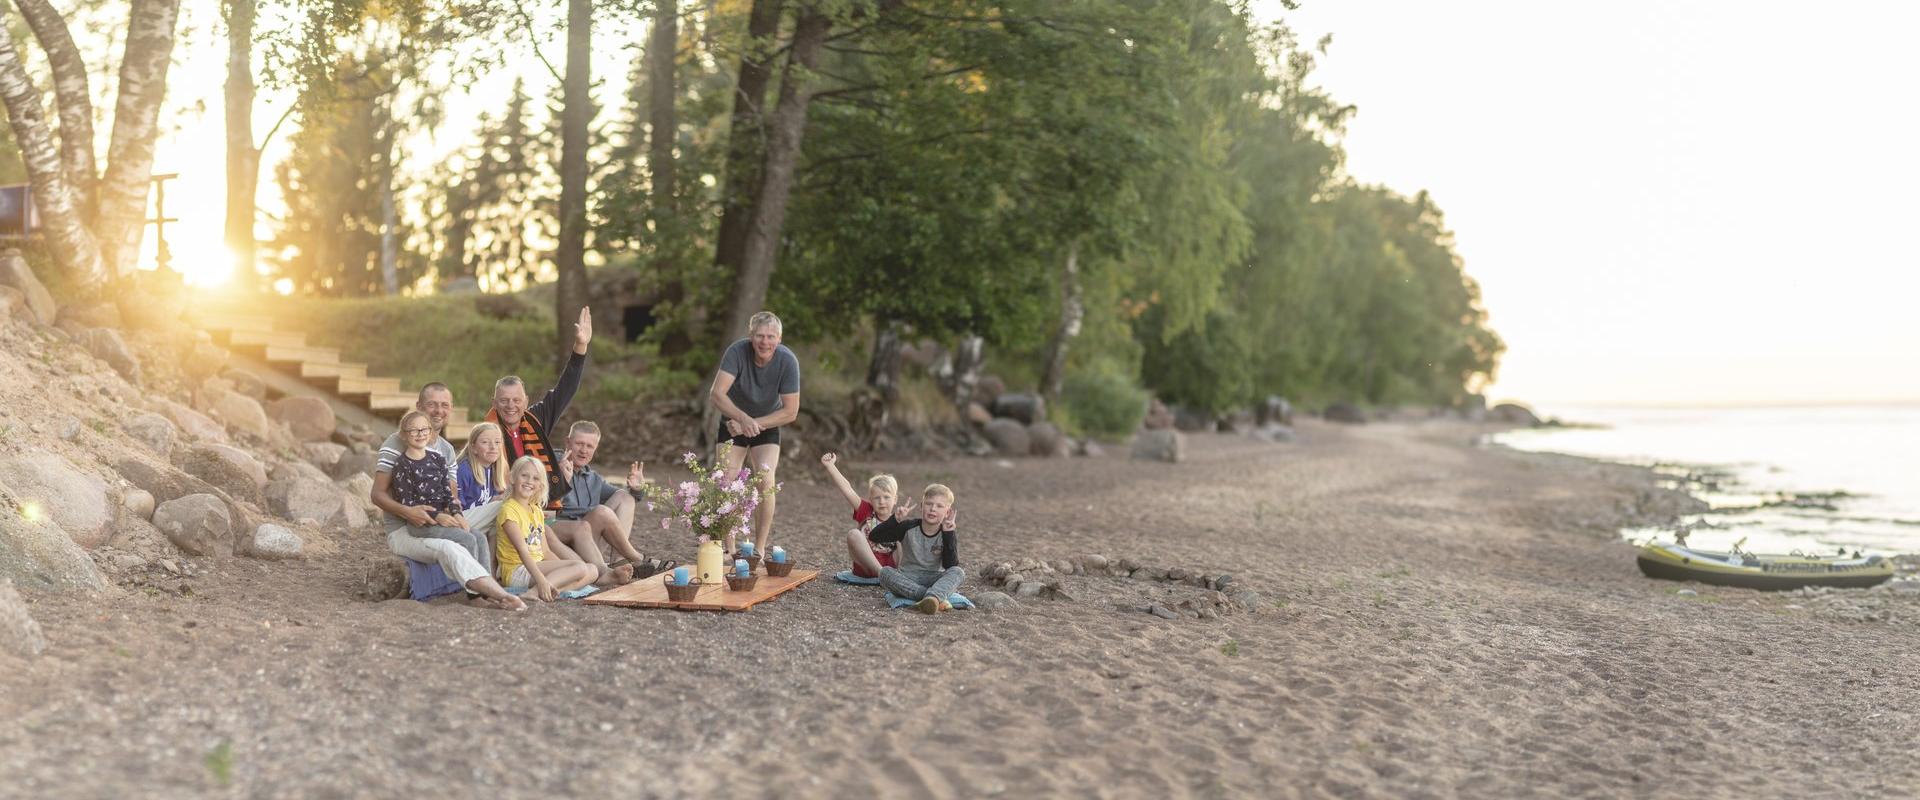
(757, 390)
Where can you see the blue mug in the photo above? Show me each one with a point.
(680, 576)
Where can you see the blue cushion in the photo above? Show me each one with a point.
(428, 581)
(847, 576)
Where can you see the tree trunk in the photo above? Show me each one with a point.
(389, 218)
(243, 158)
(959, 371)
(883, 370)
(744, 137)
(570, 293)
(71, 97)
(1072, 311)
(122, 213)
(788, 124)
(67, 236)
(664, 125)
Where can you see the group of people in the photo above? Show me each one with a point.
(516, 514)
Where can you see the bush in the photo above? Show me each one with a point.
(1101, 403)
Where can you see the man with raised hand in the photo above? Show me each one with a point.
(594, 511)
(758, 390)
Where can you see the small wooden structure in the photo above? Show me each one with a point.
(652, 593)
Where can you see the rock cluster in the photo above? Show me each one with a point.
(1043, 579)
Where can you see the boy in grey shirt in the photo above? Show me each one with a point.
(927, 555)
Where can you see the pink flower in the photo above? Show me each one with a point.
(726, 507)
(649, 505)
(744, 472)
(665, 523)
(706, 520)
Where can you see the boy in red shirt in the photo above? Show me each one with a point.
(868, 556)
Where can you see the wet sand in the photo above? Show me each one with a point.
(1435, 620)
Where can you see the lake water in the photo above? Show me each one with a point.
(1783, 478)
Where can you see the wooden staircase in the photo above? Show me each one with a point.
(253, 337)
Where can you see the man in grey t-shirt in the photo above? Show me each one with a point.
(758, 390)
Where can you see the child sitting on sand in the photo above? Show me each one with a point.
(522, 541)
(928, 556)
(868, 555)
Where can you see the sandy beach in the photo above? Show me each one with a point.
(1434, 620)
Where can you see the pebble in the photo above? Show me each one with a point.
(1163, 612)
(993, 600)
(1177, 574)
(1687, 593)
(69, 428)
(1030, 589)
(1094, 563)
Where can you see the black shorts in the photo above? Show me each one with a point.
(767, 436)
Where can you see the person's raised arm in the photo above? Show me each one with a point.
(383, 499)
(542, 588)
(846, 489)
(556, 400)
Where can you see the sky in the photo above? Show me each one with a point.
(1700, 202)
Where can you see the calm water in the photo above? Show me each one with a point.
(1768, 472)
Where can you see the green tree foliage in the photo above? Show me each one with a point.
(499, 203)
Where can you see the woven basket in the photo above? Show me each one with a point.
(740, 584)
(682, 594)
(778, 569)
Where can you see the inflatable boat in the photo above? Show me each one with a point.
(1770, 572)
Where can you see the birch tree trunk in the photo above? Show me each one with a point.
(576, 115)
(788, 124)
(744, 138)
(243, 158)
(389, 217)
(73, 101)
(72, 244)
(661, 46)
(122, 215)
(1072, 311)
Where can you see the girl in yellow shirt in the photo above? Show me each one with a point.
(522, 539)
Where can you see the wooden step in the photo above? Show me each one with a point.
(331, 372)
(456, 432)
(383, 402)
(255, 340)
(226, 321)
(296, 355)
(368, 386)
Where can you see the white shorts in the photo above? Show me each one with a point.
(520, 579)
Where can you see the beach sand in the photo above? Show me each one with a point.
(1435, 620)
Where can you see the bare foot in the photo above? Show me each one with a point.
(508, 603)
(617, 576)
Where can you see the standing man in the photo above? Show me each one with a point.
(526, 430)
(758, 390)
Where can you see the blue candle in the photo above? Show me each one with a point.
(680, 576)
(746, 548)
(740, 567)
(779, 556)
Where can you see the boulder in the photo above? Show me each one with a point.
(78, 502)
(988, 389)
(91, 315)
(15, 273)
(156, 299)
(994, 600)
(1273, 432)
(1027, 408)
(360, 487)
(1160, 445)
(385, 579)
(354, 463)
(203, 360)
(1009, 437)
(196, 523)
(978, 415)
(229, 468)
(238, 411)
(1513, 414)
(106, 345)
(246, 383)
(323, 455)
(1191, 420)
(193, 423)
(138, 503)
(1158, 417)
(318, 500)
(1275, 410)
(1473, 408)
(19, 634)
(310, 418)
(37, 554)
(1345, 412)
(1090, 449)
(274, 543)
(152, 430)
(288, 470)
(163, 482)
(1046, 441)
(13, 304)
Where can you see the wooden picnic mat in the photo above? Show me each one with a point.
(652, 593)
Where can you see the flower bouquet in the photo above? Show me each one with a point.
(713, 505)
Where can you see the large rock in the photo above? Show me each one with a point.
(323, 455)
(385, 579)
(14, 272)
(246, 383)
(360, 487)
(164, 482)
(354, 463)
(106, 345)
(1191, 420)
(138, 503)
(299, 498)
(1027, 408)
(1275, 410)
(310, 418)
(37, 554)
(286, 470)
(13, 304)
(238, 411)
(1273, 432)
(152, 430)
(229, 468)
(978, 415)
(988, 389)
(1160, 445)
(274, 543)
(193, 423)
(78, 502)
(1008, 436)
(1158, 418)
(1345, 412)
(1513, 414)
(19, 634)
(1473, 408)
(1046, 441)
(197, 523)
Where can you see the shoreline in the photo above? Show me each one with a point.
(1438, 619)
